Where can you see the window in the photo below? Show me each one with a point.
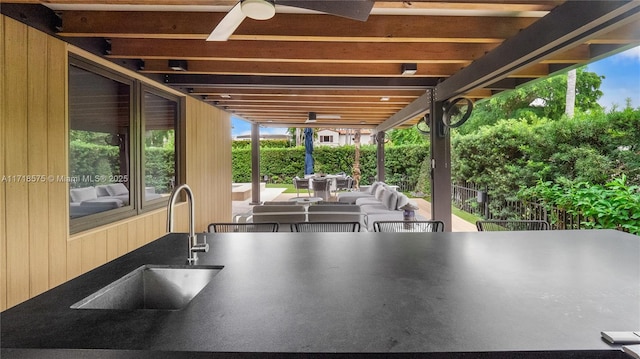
(122, 145)
(100, 113)
(326, 138)
(160, 115)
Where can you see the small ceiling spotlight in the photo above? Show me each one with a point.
(311, 118)
(384, 98)
(178, 65)
(224, 95)
(409, 69)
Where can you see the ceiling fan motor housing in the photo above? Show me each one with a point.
(258, 9)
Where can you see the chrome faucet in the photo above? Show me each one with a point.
(194, 246)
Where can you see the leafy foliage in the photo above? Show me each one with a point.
(407, 136)
(102, 161)
(615, 205)
(263, 144)
(542, 99)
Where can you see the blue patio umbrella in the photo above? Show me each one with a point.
(308, 151)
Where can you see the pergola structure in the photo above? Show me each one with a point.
(350, 73)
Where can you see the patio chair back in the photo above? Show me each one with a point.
(301, 183)
(512, 225)
(326, 227)
(408, 226)
(242, 227)
(321, 187)
(344, 183)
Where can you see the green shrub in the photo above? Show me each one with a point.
(614, 205)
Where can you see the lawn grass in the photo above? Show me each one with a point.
(288, 186)
(471, 218)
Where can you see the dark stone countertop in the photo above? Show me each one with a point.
(485, 294)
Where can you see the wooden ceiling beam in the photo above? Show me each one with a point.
(304, 93)
(495, 5)
(267, 100)
(293, 27)
(304, 115)
(314, 107)
(302, 69)
(284, 51)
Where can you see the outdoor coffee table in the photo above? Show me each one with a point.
(306, 200)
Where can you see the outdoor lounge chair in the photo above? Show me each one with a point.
(282, 214)
(334, 213)
(512, 225)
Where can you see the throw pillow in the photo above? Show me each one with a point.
(117, 189)
(102, 191)
(402, 200)
(390, 199)
(83, 194)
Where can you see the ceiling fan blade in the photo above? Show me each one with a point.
(352, 9)
(228, 25)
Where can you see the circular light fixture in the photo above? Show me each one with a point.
(258, 9)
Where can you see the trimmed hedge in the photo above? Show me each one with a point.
(402, 163)
(88, 160)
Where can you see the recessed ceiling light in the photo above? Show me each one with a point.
(409, 69)
(225, 96)
(178, 65)
(384, 98)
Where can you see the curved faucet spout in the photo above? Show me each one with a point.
(194, 246)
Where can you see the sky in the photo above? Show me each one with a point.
(622, 81)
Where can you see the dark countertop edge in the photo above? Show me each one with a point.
(6, 353)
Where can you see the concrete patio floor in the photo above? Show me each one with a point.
(276, 194)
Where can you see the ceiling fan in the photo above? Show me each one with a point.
(265, 9)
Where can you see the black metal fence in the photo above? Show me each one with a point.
(470, 198)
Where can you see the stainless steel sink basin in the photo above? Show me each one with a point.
(152, 287)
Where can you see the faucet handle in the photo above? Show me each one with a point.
(199, 247)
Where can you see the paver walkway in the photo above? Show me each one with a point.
(275, 194)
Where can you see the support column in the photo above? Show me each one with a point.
(255, 163)
(380, 155)
(440, 167)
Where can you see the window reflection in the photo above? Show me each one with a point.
(160, 121)
(99, 135)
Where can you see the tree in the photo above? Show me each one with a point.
(406, 136)
(356, 162)
(544, 98)
(571, 93)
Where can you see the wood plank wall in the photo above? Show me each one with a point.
(3, 226)
(208, 163)
(36, 250)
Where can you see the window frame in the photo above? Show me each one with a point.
(149, 205)
(328, 137)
